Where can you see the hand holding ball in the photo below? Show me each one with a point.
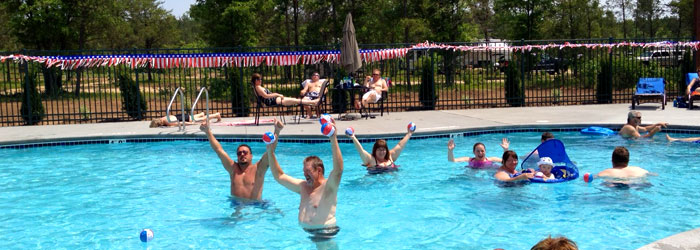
(326, 118)
(269, 138)
(349, 131)
(328, 129)
(411, 127)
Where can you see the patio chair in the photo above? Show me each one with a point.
(690, 98)
(650, 89)
(380, 103)
(322, 98)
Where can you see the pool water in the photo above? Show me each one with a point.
(102, 195)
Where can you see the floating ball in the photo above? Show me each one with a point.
(269, 138)
(350, 131)
(146, 235)
(587, 177)
(328, 129)
(326, 118)
(412, 126)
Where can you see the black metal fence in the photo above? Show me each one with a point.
(422, 80)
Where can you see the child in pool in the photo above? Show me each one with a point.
(545, 169)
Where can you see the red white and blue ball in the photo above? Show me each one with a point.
(328, 129)
(146, 235)
(326, 118)
(349, 131)
(411, 126)
(587, 177)
(269, 138)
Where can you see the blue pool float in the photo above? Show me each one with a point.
(593, 130)
(564, 169)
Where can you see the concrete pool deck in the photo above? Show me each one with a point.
(428, 122)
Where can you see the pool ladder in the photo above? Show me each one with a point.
(181, 126)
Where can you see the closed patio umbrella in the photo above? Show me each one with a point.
(349, 52)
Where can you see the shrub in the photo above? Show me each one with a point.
(426, 93)
(241, 92)
(604, 89)
(514, 92)
(32, 109)
(132, 102)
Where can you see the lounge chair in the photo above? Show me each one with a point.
(650, 89)
(690, 98)
(322, 98)
(261, 104)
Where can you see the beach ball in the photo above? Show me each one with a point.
(587, 177)
(326, 118)
(412, 126)
(269, 138)
(349, 131)
(146, 235)
(328, 129)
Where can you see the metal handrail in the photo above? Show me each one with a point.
(181, 127)
(203, 89)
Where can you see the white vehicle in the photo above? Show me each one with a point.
(662, 57)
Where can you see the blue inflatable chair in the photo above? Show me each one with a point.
(650, 89)
(564, 169)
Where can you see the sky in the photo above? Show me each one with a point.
(178, 7)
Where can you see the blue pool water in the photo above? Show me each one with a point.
(101, 196)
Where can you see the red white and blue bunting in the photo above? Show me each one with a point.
(215, 60)
(209, 60)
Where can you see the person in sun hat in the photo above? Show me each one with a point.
(246, 177)
(633, 128)
(545, 165)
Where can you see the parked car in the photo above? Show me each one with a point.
(551, 65)
(662, 57)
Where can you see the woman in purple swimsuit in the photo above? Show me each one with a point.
(381, 158)
(479, 161)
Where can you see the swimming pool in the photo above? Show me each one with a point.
(102, 195)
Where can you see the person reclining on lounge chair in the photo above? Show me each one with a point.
(692, 88)
(273, 99)
(176, 119)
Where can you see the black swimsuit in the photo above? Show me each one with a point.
(269, 101)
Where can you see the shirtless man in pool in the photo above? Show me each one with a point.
(246, 177)
(319, 195)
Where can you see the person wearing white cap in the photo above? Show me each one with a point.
(545, 164)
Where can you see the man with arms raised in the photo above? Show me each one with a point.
(319, 195)
(620, 172)
(632, 129)
(246, 177)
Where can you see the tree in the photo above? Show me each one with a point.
(227, 23)
(521, 19)
(647, 15)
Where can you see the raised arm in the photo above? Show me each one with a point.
(216, 146)
(334, 177)
(283, 179)
(264, 164)
(396, 151)
(450, 154)
(366, 157)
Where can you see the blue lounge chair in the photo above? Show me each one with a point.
(688, 78)
(650, 89)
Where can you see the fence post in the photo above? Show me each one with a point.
(610, 76)
(522, 74)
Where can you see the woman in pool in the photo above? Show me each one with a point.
(507, 172)
(479, 160)
(274, 99)
(381, 159)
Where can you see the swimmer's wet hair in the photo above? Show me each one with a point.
(620, 156)
(507, 155)
(380, 144)
(559, 243)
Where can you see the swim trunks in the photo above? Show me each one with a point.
(326, 232)
(366, 95)
(313, 95)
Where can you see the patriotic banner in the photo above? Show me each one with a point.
(216, 60)
(210, 60)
